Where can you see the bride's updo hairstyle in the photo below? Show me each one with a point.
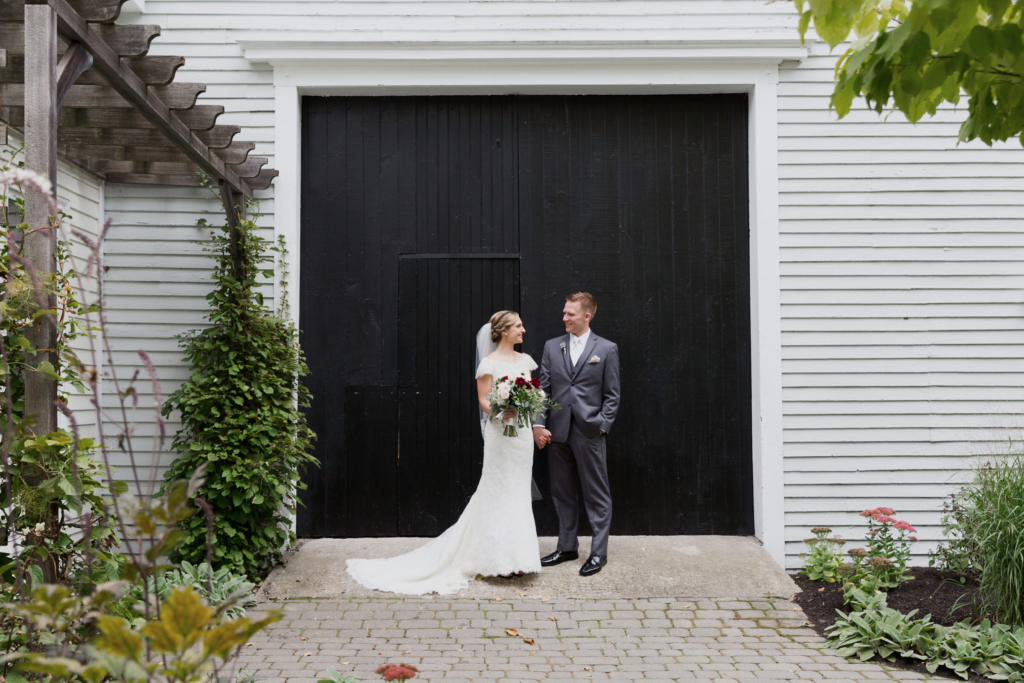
(501, 322)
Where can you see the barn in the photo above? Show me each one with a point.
(814, 316)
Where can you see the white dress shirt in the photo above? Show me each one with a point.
(576, 346)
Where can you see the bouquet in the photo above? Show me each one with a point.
(520, 395)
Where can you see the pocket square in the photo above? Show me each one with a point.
(594, 359)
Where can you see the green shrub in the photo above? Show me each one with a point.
(216, 587)
(241, 415)
(823, 562)
(959, 552)
(873, 628)
(994, 519)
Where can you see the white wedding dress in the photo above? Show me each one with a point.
(495, 534)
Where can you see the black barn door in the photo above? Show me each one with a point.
(439, 442)
(642, 201)
(410, 241)
(422, 216)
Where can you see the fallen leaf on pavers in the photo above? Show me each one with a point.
(642, 548)
(307, 654)
(301, 638)
(345, 663)
(407, 652)
(586, 668)
(522, 593)
(496, 599)
(511, 632)
(248, 644)
(529, 641)
(796, 609)
(553, 618)
(544, 599)
(687, 606)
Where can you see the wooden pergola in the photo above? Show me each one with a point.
(79, 85)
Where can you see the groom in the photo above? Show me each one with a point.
(580, 372)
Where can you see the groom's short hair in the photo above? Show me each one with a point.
(586, 300)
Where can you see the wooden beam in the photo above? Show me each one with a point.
(199, 117)
(250, 168)
(143, 179)
(234, 153)
(247, 169)
(104, 11)
(215, 138)
(263, 180)
(72, 27)
(174, 96)
(260, 182)
(74, 62)
(40, 34)
(126, 40)
(152, 69)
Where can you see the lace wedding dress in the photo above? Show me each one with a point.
(495, 534)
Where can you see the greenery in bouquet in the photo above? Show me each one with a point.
(522, 396)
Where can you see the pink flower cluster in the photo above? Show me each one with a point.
(884, 515)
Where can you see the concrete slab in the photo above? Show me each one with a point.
(638, 567)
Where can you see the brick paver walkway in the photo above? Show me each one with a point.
(468, 641)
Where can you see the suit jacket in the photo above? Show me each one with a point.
(587, 393)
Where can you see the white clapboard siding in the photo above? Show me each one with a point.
(81, 197)
(157, 281)
(903, 293)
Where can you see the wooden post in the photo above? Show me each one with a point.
(232, 201)
(41, 157)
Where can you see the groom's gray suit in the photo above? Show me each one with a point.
(588, 394)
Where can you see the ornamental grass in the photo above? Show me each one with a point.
(994, 519)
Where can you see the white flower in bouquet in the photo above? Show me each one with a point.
(523, 397)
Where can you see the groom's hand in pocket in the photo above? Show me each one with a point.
(541, 437)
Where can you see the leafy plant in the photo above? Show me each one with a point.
(216, 587)
(824, 562)
(995, 651)
(920, 55)
(993, 509)
(888, 548)
(335, 677)
(53, 492)
(69, 630)
(241, 414)
(959, 552)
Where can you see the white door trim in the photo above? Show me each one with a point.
(319, 68)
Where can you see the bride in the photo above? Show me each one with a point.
(496, 534)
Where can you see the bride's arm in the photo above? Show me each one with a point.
(483, 387)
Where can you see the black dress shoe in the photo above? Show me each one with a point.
(593, 565)
(558, 557)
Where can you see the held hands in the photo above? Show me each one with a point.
(541, 437)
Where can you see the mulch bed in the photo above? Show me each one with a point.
(933, 592)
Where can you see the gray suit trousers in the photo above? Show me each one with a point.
(588, 457)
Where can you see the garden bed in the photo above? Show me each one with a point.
(932, 591)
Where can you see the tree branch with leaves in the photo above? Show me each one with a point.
(916, 56)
